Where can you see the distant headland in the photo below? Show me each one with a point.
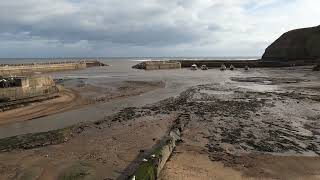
(295, 45)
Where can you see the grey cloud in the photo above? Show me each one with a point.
(124, 24)
(144, 26)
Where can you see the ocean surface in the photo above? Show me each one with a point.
(106, 59)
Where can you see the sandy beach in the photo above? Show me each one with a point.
(77, 97)
(261, 124)
(159, 90)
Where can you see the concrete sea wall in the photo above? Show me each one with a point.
(35, 88)
(217, 63)
(243, 63)
(156, 65)
(31, 68)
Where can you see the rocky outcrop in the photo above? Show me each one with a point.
(299, 44)
(316, 68)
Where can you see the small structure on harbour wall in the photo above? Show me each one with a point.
(156, 65)
(24, 89)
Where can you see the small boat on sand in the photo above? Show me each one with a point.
(204, 67)
(232, 67)
(246, 68)
(316, 68)
(194, 67)
(223, 67)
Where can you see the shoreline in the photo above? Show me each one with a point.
(71, 99)
(66, 100)
(246, 125)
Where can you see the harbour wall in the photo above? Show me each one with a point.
(32, 89)
(152, 65)
(243, 63)
(156, 65)
(29, 69)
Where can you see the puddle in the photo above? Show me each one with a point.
(260, 88)
(267, 82)
(214, 92)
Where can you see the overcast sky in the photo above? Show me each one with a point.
(75, 28)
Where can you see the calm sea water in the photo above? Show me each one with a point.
(35, 60)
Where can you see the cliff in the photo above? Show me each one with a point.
(295, 45)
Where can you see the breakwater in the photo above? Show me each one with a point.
(243, 63)
(251, 63)
(152, 65)
(156, 65)
(31, 68)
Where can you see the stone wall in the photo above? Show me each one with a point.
(156, 65)
(36, 86)
(32, 68)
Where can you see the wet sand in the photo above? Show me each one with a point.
(77, 97)
(104, 78)
(247, 131)
(262, 124)
(67, 100)
(101, 151)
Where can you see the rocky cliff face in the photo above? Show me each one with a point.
(299, 44)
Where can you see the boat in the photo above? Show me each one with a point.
(316, 68)
(232, 67)
(246, 68)
(194, 67)
(223, 67)
(204, 67)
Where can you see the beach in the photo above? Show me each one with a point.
(256, 124)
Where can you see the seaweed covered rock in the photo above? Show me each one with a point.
(299, 44)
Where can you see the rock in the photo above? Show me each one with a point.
(299, 44)
(316, 68)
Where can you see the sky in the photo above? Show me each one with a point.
(148, 28)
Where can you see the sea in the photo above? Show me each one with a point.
(123, 59)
